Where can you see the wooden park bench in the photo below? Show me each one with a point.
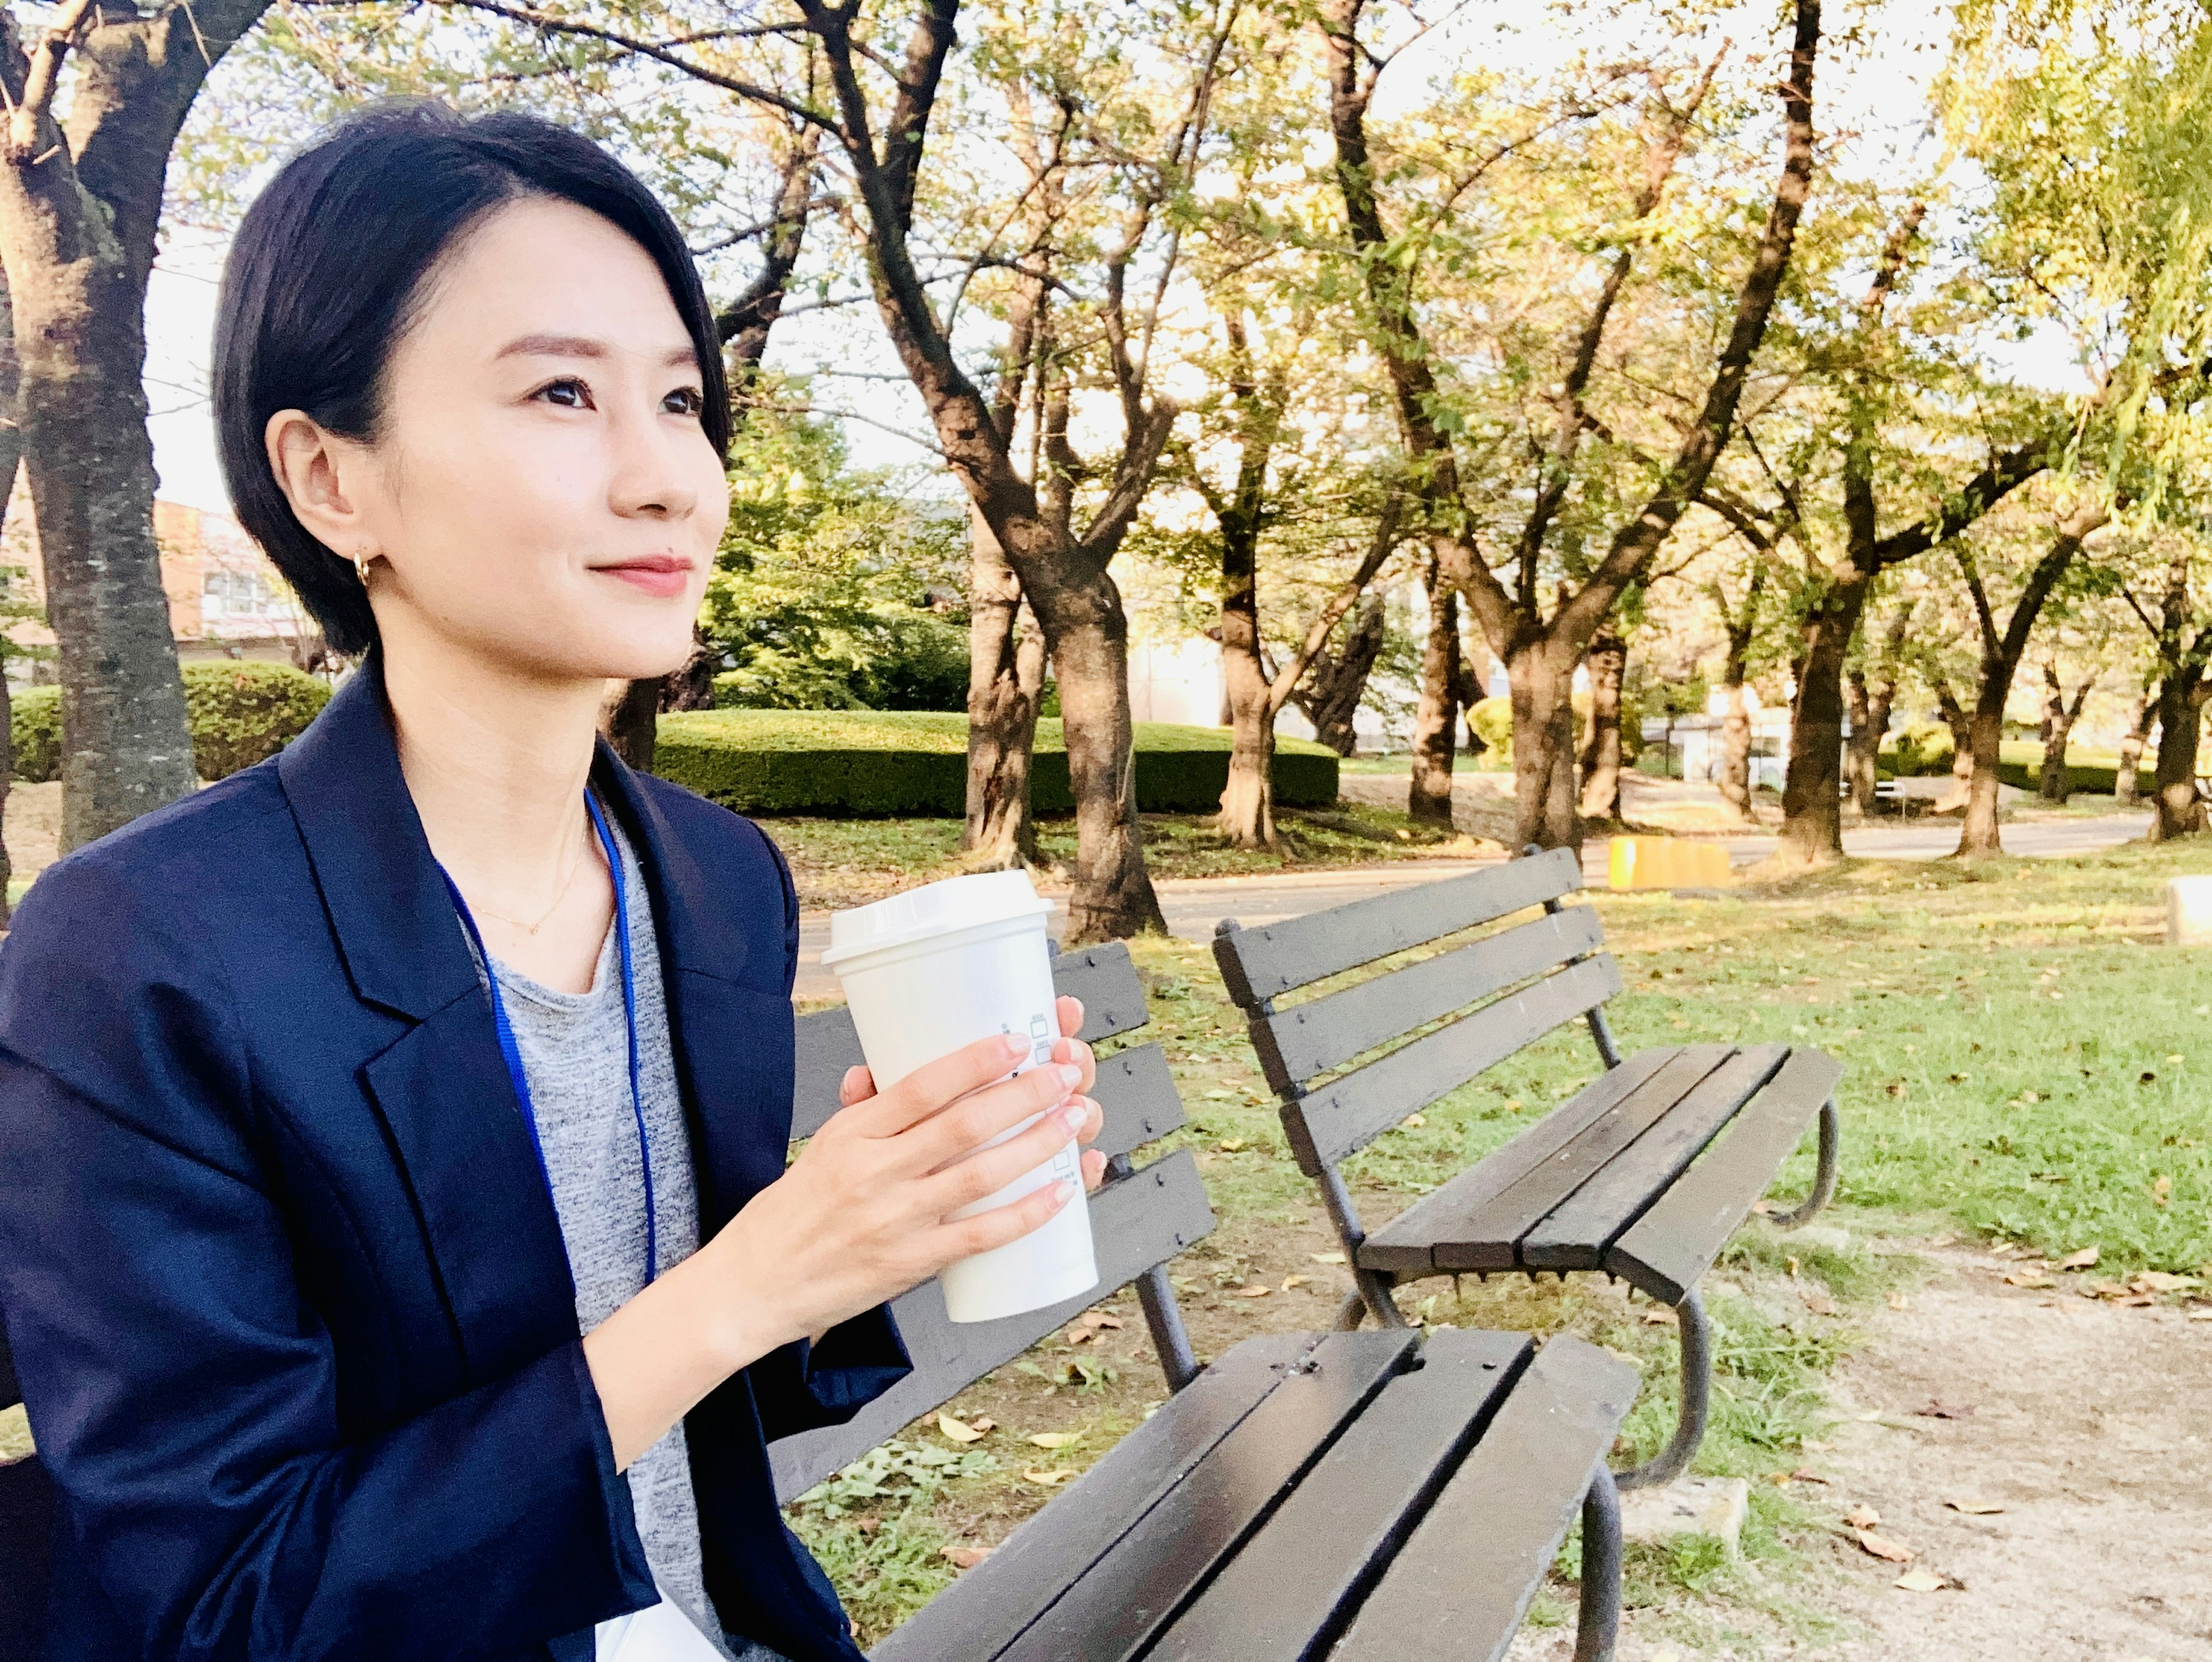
(1394, 1499)
(1644, 1174)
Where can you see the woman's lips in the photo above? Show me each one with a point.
(662, 575)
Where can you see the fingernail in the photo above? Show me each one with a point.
(1015, 1046)
(1070, 1073)
(1073, 1116)
(1062, 1192)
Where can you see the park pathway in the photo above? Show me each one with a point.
(1193, 905)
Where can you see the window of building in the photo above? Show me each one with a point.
(237, 595)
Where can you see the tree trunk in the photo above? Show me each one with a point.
(1984, 736)
(1607, 658)
(11, 456)
(78, 210)
(1863, 746)
(1005, 677)
(632, 722)
(1812, 789)
(1087, 632)
(2180, 710)
(1333, 686)
(1247, 819)
(2126, 782)
(1543, 748)
(1429, 800)
(1735, 750)
(2055, 786)
(692, 687)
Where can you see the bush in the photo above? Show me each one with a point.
(874, 762)
(36, 729)
(2094, 774)
(1918, 750)
(911, 660)
(241, 713)
(1492, 723)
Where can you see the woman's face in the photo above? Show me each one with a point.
(541, 492)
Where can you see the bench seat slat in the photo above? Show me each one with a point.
(1486, 1235)
(1406, 1245)
(1265, 962)
(1674, 1243)
(982, 1612)
(1463, 1581)
(1113, 1609)
(1599, 1212)
(1345, 1115)
(1136, 1094)
(1145, 1218)
(1103, 978)
(1310, 1038)
(1337, 1530)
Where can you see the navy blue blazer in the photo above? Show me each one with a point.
(285, 1289)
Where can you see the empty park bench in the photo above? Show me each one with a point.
(1393, 1499)
(1644, 1174)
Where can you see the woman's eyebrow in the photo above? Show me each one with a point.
(582, 346)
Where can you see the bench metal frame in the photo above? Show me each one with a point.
(1142, 1217)
(1544, 974)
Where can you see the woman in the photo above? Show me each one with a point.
(359, 1116)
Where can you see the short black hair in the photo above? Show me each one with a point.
(325, 272)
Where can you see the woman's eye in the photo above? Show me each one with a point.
(568, 392)
(684, 401)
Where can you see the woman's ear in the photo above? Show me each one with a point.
(319, 474)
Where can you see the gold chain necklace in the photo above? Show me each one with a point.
(575, 866)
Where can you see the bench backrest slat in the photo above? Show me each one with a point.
(1310, 1038)
(1348, 1113)
(1102, 976)
(1265, 962)
(1144, 1220)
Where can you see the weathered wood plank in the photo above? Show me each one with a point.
(1406, 1245)
(1462, 1582)
(1103, 978)
(982, 1612)
(1265, 962)
(1281, 1597)
(1486, 1236)
(1575, 1236)
(1295, 1044)
(1137, 1095)
(1676, 1242)
(1348, 1113)
(1144, 1220)
(1112, 1610)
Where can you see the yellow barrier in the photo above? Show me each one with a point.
(1667, 863)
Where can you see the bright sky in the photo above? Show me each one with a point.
(1873, 87)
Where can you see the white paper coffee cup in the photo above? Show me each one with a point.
(940, 966)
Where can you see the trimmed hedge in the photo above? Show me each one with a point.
(36, 720)
(239, 714)
(2020, 762)
(853, 762)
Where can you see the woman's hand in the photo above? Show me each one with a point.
(861, 1215)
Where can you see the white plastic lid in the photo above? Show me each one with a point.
(940, 908)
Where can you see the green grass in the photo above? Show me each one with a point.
(846, 862)
(1933, 984)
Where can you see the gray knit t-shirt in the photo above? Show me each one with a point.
(575, 1055)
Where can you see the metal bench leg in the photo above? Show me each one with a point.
(1370, 1297)
(1597, 1625)
(1824, 1179)
(1671, 1461)
(1170, 1341)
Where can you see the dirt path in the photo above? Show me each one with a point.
(2091, 1425)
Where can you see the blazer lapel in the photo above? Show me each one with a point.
(732, 1035)
(441, 1084)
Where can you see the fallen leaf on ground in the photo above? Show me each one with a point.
(1862, 1518)
(1655, 1319)
(1872, 1417)
(1936, 1410)
(1899, 1301)
(1081, 1335)
(1326, 1258)
(962, 1557)
(1289, 1282)
(1762, 1207)
(1254, 1291)
(2157, 1281)
(2162, 1190)
(1109, 1321)
(1920, 1581)
(958, 1430)
(1975, 1508)
(2200, 1315)
(1895, 1552)
(1230, 1146)
(1048, 1479)
(869, 1525)
(1055, 1439)
(2029, 1278)
(1416, 1121)
(1819, 1303)
(984, 1422)
(2006, 1249)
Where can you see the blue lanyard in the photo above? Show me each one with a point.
(513, 1053)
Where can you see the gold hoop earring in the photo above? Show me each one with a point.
(360, 568)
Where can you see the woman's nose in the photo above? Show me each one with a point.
(650, 479)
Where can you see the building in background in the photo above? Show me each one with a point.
(226, 600)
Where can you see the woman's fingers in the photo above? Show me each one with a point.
(1070, 1013)
(929, 1088)
(1094, 1168)
(968, 1124)
(987, 1170)
(963, 1237)
(1094, 1122)
(857, 1086)
(1076, 1053)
